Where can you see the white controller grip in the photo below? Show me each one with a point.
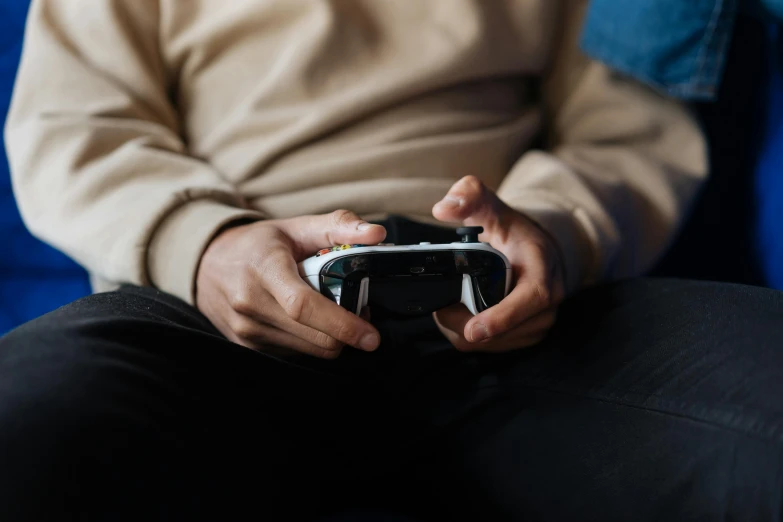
(468, 297)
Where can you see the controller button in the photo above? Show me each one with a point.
(425, 243)
(323, 251)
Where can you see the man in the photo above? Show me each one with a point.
(193, 152)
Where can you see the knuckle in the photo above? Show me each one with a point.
(473, 184)
(542, 295)
(345, 332)
(241, 301)
(243, 328)
(327, 342)
(341, 217)
(295, 305)
(271, 262)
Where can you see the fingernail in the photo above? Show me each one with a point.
(450, 202)
(364, 227)
(370, 342)
(478, 333)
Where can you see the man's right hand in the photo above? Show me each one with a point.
(249, 287)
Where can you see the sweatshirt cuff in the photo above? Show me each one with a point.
(176, 248)
(565, 226)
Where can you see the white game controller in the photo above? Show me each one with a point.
(412, 279)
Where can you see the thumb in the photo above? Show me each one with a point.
(471, 202)
(341, 227)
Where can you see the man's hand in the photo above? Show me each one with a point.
(249, 287)
(523, 318)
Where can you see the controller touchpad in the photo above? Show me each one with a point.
(414, 295)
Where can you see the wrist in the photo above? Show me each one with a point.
(553, 248)
(212, 248)
(175, 251)
(567, 237)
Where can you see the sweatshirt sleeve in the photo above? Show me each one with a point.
(99, 166)
(622, 166)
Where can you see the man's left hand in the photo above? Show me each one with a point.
(524, 317)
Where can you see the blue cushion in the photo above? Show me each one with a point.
(34, 278)
(769, 176)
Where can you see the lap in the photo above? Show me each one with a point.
(698, 349)
(133, 398)
(648, 394)
(651, 399)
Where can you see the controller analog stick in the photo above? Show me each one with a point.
(470, 234)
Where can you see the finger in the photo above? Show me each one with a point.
(456, 318)
(531, 295)
(262, 308)
(221, 322)
(304, 305)
(268, 339)
(471, 202)
(525, 335)
(275, 284)
(312, 233)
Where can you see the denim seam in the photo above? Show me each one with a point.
(766, 433)
(706, 43)
(713, 49)
(726, 31)
(675, 89)
(703, 82)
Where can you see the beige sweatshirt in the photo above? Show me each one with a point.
(139, 128)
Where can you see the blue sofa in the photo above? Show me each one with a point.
(733, 235)
(34, 278)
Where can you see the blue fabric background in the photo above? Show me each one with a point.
(34, 278)
(769, 176)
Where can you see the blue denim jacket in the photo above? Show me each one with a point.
(677, 46)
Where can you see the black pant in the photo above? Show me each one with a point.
(650, 400)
